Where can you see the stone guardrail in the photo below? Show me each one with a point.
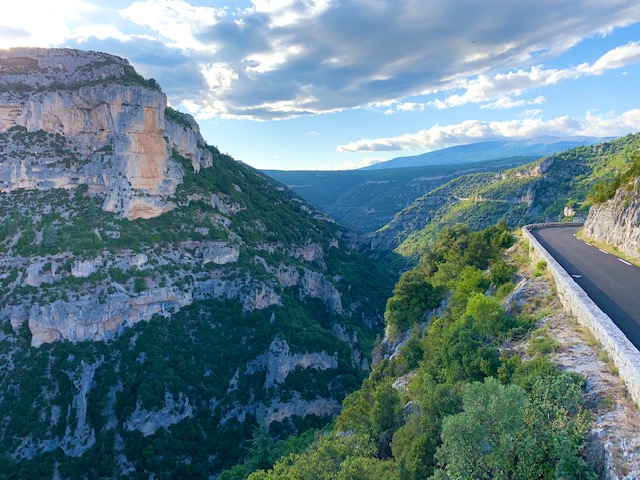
(622, 352)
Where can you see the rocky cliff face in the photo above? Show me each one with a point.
(114, 123)
(177, 298)
(617, 221)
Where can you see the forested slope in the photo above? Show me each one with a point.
(454, 399)
(158, 299)
(544, 190)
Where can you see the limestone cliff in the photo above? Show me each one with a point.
(111, 121)
(177, 298)
(617, 221)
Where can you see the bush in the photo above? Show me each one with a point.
(504, 290)
(603, 191)
(543, 345)
(139, 284)
(501, 272)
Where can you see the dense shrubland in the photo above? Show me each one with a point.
(455, 401)
(603, 190)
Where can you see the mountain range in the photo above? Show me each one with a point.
(553, 188)
(491, 150)
(366, 200)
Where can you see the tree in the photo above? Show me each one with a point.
(468, 283)
(324, 460)
(489, 318)
(260, 453)
(485, 440)
(466, 355)
(503, 433)
(413, 296)
(385, 417)
(558, 424)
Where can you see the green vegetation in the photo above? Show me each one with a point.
(177, 117)
(126, 76)
(603, 191)
(365, 200)
(208, 352)
(530, 193)
(472, 408)
(199, 392)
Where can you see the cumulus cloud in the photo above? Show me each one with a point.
(272, 59)
(174, 20)
(293, 57)
(497, 91)
(471, 131)
(34, 23)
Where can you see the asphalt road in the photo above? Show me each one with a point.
(612, 284)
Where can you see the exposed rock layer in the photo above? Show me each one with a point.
(117, 128)
(616, 222)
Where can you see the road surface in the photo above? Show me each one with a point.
(612, 283)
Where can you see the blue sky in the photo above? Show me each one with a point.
(334, 84)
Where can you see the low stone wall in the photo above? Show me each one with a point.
(621, 351)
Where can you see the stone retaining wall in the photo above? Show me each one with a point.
(621, 351)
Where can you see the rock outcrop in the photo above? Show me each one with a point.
(148, 422)
(279, 362)
(90, 319)
(75, 442)
(109, 303)
(109, 124)
(172, 292)
(617, 221)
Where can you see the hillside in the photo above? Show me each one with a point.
(483, 151)
(495, 382)
(549, 189)
(614, 219)
(366, 200)
(158, 299)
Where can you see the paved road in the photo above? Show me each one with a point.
(611, 283)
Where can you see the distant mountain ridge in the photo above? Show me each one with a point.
(482, 151)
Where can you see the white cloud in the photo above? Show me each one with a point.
(497, 90)
(34, 23)
(410, 107)
(297, 57)
(176, 21)
(102, 32)
(504, 101)
(278, 59)
(472, 131)
(219, 77)
(287, 12)
(617, 58)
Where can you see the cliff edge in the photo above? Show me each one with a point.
(616, 221)
(95, 109)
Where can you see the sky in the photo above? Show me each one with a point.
(342, 84)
